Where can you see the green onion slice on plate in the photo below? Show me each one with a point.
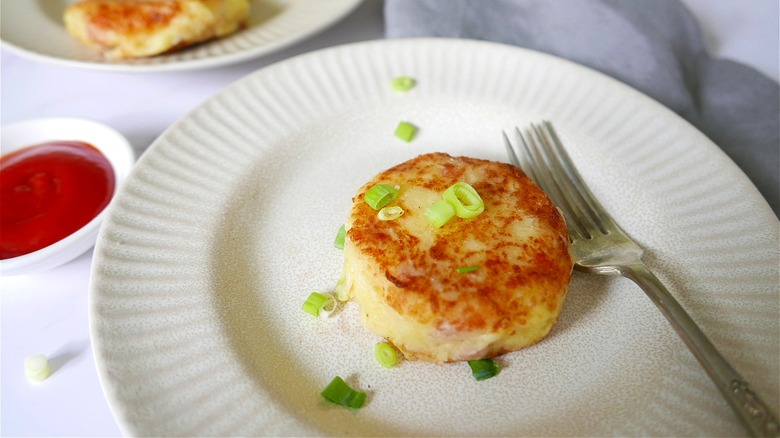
(386, 354)
(340, 393)
(405, 131)
(483, 368)
(341, 235)
(341, 289)
(402, 83)
(320, 305)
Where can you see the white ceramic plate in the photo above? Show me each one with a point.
(226, 225)
(114, 147)
(34, 28)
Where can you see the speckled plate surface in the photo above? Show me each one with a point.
(227, 222)
(34, 28)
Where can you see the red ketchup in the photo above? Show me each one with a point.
(48, 191)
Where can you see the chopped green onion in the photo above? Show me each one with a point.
(483, 368)
(386, 354)
(466, 269)
(390, 213)
(320, 305)
(36, 368)
(464, 199)
(341, 235)
(340, 393)
(402, 83)
(405, 131)
(380, 195)
(341, 289)
(439, 213)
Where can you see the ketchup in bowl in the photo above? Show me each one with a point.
(48, 191)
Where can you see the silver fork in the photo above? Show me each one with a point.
(599, 246)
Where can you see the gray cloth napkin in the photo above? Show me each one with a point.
(655, 47)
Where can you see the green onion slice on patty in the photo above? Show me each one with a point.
(464, 199)
(389, 213)
(439, 213)
(380, 195)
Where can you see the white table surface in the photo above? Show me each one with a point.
(47, 312)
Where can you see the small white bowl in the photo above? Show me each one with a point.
(114, 147)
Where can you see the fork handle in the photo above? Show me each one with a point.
(753, 412)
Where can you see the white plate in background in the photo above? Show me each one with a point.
(34, 28)
(227, 222)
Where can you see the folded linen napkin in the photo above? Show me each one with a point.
(656, 49)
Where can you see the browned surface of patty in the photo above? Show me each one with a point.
(129, 17)
(514, 275)
(137, 28)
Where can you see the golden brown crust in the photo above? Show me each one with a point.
(519, 242)
(137, 28)
(129, 17)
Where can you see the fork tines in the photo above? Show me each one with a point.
(545, 160)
